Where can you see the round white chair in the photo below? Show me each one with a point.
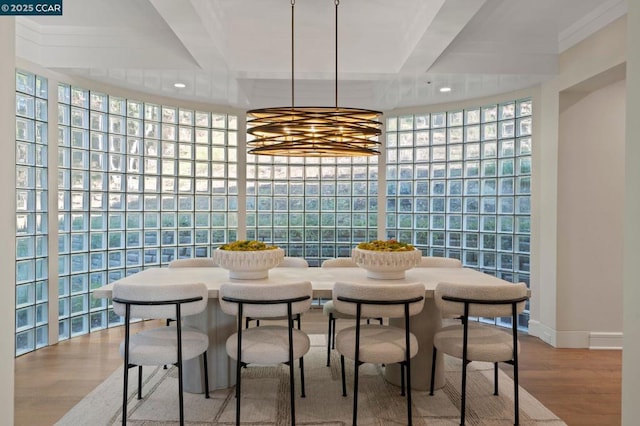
(267, 344)
(192, 262)
(293, 262)
(472, 341)
(329, 309)
(339, 262)
(374, 343)
(288, 262)
(439, 262)
(161, 345)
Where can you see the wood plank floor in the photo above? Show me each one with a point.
(581, 386)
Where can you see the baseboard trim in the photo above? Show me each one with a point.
(542, 332)
(576, 339)
(605, 341)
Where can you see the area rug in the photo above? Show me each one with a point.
(265, 399)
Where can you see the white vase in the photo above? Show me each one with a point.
(386, 265)
(248, 265)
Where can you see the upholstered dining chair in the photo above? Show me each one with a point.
(288, 262)
(195, 262)
(192, 262)
(293, 262)
(329, 309)
(374, 343)
(339, 262)
(267, 344)
(439, 262)
(161, 345)
(472, 341)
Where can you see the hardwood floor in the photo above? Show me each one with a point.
(581, 386)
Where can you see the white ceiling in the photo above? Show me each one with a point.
(392, 53)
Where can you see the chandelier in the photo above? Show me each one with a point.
(313, 131)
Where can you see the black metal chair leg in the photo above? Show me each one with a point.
(292, 391)
(333, 335)
(124, 393)
(409, 415)
(180, 393)
(402, 379)
(516, 393)
(463, 390)
(302, 376)
(167, 324)
(433, 370)
(206, 374)
(495, 378)
(355, 392)
(239, 367)
(139, 382)
(329, 341)
(344, 384)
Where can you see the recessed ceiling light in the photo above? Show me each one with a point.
(445, 89)
(179, 85)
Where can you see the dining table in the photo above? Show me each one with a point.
(220, 326)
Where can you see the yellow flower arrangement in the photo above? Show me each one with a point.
(389, 245)
(247, 245)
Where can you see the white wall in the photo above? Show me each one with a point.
(590, 213)
(631, 353)
(7, 216)
(588, 66)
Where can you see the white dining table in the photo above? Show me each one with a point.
(220, 326)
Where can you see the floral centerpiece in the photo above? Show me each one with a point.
(386, 260)
(248, 259)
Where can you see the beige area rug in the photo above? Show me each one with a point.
(265, 399)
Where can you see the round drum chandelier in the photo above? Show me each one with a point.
(313, 131)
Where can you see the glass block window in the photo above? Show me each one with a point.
(32, 255)
(315, 208)
(459, 185)
(139, 185)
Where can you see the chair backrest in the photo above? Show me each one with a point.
(339, 262)
(439, 262)
(397, 294)
(258, 299)
(193, 262)
(150, 301)
(501, 296)
(294, 262)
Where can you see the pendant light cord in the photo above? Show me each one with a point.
(337, 2)
(293, 3)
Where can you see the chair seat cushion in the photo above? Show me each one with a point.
(268, 344)
(486, 343)
(158, 346)
(378, 344)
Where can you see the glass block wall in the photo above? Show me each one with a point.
(313, 208)
(139, 185)
(32, 308)
(459, 185)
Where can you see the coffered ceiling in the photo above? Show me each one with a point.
(392, 53)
